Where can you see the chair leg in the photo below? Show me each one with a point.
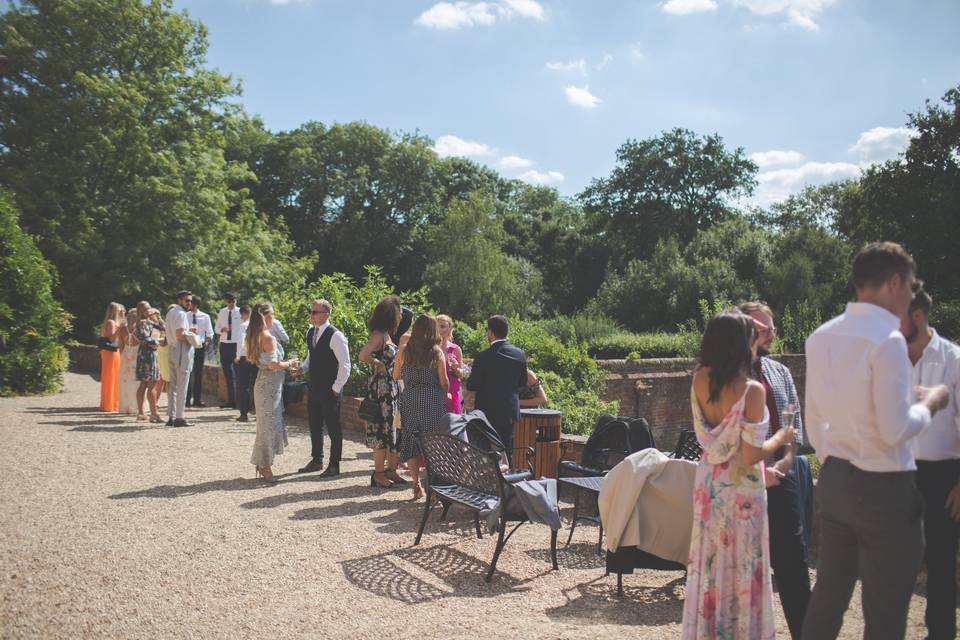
(426, 514)
(476, 522)
(446, 507)
(553, 547)
(619, 584)
(600, 541)
(496, 553)
(576, 511)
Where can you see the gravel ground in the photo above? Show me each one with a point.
(114, 528)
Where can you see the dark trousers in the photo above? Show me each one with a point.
(870, 528)
(246, 376)
(788, 553)
(195, 388)
(228, 353)
(935, 480)
(323, 410)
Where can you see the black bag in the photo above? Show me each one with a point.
(107, 345)
(369, 411)
(293, 391)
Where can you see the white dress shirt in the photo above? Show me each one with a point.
(203, 324)
(175, 319)
(228, 318)
(939, 364)
(859, 392)
(242, 337)
(338, 344)
(278, 332)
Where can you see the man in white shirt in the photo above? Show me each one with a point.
(180, 357)
(934, 361)
(861, 420)
(328, 361)
(201, 321)
(246, 371)
(228, 319)
(278, 332)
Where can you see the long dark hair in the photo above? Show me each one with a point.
(726, 349)
(421, 349)
(386, 316)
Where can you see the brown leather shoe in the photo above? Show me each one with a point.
(331, 471)
(313, 465)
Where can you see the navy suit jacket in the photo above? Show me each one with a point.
(497, 376)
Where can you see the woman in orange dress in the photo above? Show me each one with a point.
(110, 359)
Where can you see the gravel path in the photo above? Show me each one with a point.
(114, 528)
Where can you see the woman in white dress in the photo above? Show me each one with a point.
(129, 345)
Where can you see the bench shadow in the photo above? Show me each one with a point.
(578, 556)
(596, 602)
(457, 575)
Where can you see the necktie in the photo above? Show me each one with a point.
(194, 317)
(229, 325)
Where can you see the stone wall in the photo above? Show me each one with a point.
(659, 390)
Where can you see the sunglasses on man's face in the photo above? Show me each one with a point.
(317, 312)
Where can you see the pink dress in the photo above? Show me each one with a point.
(729, 593)
(453, 402)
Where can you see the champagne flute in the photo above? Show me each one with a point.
(788, 418)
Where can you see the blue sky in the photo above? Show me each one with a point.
(546, 90)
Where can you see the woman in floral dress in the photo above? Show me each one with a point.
(380, 352)
(729, 594)
(148, 366)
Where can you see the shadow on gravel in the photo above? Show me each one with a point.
(340, 493)
(343, 509)
(175, 491)
(596, 602)
(80, 411)
(578, 556)
(444, 572)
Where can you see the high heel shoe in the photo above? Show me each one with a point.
(394, 477)
(266, 474)
(417, 491)
(374, 482)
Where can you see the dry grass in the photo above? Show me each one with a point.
(114, 528)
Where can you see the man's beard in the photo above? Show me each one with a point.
(762, 352)
(913, 333)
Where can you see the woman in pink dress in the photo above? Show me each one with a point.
(454, 363)
(729, 593)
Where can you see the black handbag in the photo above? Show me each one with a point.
(369, 411)
(293, 391)
(106, 344)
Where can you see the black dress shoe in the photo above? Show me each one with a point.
(331, 471)
(180, 422)
(229, 405)
(199, 404)
(170, 422)
(243, 419)
(313, 465)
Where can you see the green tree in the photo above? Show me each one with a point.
(32, 360)
(470, 277)
(112, 139)
(671, 185)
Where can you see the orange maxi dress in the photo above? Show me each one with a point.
(109, 381)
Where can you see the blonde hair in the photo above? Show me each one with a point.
(320, 302)
(143, 310)
(115, 312)
(254, 330)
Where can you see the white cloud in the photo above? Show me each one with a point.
(581, 97)
(683, 7)
(882, 143)
(571, 65)
(513, 163)
(636, 53)
(776, 157)
(607, 59)
(453, 146)
(541, 177)
(799, 13)
(455, 15)
(780, 183)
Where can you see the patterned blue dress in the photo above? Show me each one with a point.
(268, 395)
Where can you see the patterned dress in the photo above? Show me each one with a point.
(453, 404)
(421, 407)
(148, 365)
(268, 395)
(383, 388)
(729, 594)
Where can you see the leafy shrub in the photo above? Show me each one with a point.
(580, 407)
(945, 318)
(637, 346)
(583, 326)
(796, 325)
(352, 305)
(31, 321)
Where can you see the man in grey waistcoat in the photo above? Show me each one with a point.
(180, 353)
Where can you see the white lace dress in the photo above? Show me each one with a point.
(128, 375)
(268, 395)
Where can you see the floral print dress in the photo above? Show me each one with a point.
(729, 593)
(385, 390)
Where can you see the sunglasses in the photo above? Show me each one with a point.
(315, 312)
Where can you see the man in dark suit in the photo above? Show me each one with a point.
(497, 376)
